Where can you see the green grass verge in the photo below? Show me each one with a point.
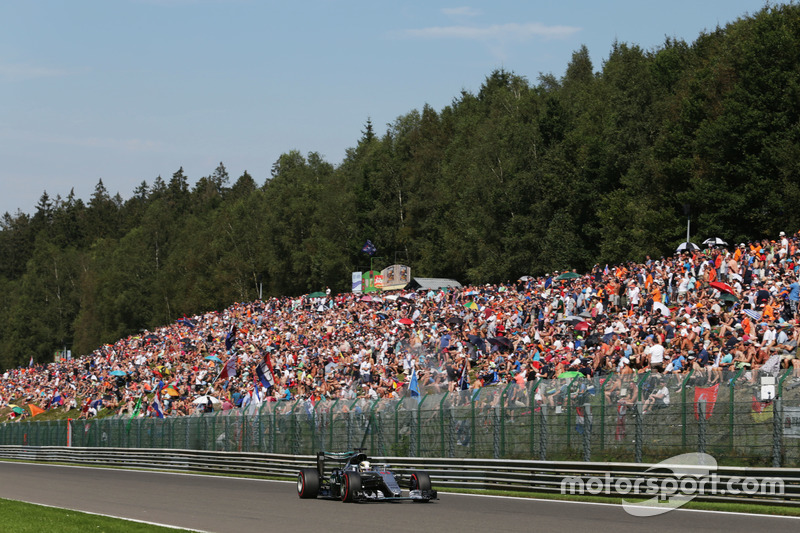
(21, 517)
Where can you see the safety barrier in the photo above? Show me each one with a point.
(480, 474)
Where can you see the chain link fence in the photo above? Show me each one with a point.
(612, 418)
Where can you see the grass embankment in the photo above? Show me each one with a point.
(21, 517)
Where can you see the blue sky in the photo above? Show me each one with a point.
(127, 90)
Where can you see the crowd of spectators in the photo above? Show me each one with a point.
(712, 310)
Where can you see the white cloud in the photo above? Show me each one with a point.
(463, 11)
(495, 32)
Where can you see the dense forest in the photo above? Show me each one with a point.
(521, 178)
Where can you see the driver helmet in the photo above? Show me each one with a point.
(364, 466)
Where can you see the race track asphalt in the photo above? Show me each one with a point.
(219, 504)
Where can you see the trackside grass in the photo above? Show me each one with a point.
(21, 517)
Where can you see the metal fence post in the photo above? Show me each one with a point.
(638, 443)
(731, 418)
(372, 424)
(496, 423)
(701, 428)
(381, 436)
(532, 406)
(543, 434)
(603, 411)
(397, 426)
(418, 432)
(639, 385)
(273, 422)
(473, 431)
(214, 431)
(441, 420)
(331, 415)
(351, 425)
(452, 433)
(777, 432)
(683, 407)
(297, 434)
(587, 432)
(569, 411)
(503, 400)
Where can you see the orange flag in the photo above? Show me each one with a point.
(35, 409)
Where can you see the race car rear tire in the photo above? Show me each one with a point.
(420, 481)
(308, 483)
(351, 484)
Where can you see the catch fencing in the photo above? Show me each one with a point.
(614, 418)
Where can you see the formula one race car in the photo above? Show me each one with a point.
(354, 479)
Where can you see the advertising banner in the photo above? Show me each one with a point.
(357, 281)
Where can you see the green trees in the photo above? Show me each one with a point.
(519, 178)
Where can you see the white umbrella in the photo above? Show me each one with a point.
(682, 247)
(715, 241)
(205, 399)
(663, 308)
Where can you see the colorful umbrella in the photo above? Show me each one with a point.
(471, 305)
(567, 275)
(317, 294)
(405, 321)
(582, 326)
(724, 287)
(117, 373)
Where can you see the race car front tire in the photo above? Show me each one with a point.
(308, 483)
(420, 481)
(351, 485)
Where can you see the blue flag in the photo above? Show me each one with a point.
(369, 248)
(413, 387)
(230, 338)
